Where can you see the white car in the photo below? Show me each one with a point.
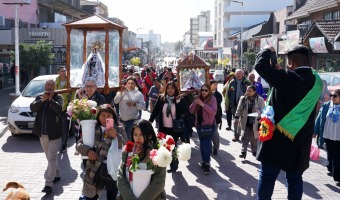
(219, 75)
(20, 118)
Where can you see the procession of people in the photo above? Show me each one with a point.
(279, 129)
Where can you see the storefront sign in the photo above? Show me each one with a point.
(318, 45)
(34, 34)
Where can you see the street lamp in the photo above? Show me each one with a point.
(240, 2)
(16, 33)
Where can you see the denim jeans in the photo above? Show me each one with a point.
(268, 175)
(205, 147)
(128, 127)
(65, 125)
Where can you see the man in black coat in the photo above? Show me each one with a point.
(281, 152)
(47, 126)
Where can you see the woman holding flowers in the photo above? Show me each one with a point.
(168, 107)
(205, 108)
(137, 152)
(107, 139)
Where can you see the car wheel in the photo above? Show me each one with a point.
(14, 135)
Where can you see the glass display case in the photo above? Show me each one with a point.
(94, 49)
(192, 73)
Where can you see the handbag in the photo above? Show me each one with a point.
(205, 131)
(314, 150)
(178, 125)
(102, 178)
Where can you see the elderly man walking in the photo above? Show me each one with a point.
(237, 88)
(47, 127)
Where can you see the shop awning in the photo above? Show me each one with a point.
(330, 29)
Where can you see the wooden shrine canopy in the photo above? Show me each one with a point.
(103, 32)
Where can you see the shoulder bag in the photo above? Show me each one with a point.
(178, 125)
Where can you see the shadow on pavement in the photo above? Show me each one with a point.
(313, 192)
(22, 144)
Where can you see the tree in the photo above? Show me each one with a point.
(250, 57)
(34, 56)
(135, 61)
(179, 46)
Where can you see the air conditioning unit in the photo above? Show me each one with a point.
(2, 20)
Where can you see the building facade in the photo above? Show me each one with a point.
(201, 23)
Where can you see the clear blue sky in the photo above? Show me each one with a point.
(171, 18)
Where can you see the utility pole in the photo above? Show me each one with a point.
(16, 32)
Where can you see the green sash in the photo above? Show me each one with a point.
(291, 124)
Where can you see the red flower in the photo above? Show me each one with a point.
(93, 111)
(170, 141)
(168, 148)
(161, 135)
(129, 146)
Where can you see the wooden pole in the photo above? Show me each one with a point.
(68, 60)
(107, 49)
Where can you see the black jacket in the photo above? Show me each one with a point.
(157, 111)
(53, 116)
(100, 99)
(289, 88)
(219, 98)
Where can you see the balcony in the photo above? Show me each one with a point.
(66, 8)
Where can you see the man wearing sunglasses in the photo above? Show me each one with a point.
(293, 99)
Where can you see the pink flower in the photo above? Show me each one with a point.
(153, 153)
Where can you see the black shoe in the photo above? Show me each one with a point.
(206, 169)
(254, 154)
(236, 139)
(329, 174)
(228, 128)
(243, 155)
(47, 189)
(215, 152)
(56, 179)
(63, 149)
(203, 165)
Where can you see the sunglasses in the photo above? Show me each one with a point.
(204, 90)
(333, 95)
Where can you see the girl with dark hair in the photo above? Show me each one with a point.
(327, 126)
(144, 139)
(168, 107)
(97, 155)
(205, 108)
(250, 103)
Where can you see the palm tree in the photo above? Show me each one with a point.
(179, 46)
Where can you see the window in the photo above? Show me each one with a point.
(327, 16)
(335, 81)
(336, 14)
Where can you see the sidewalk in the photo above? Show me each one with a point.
(231, 177)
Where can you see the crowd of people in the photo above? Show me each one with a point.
(285, 147)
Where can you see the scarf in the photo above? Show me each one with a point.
(334, 112)
(170, 100)
(292, 123)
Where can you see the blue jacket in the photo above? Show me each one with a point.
(320, 123)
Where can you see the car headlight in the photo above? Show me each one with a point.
(14, 108)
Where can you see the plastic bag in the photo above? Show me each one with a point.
(314, 150)
(114, 157)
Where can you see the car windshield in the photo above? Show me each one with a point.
(34, 88)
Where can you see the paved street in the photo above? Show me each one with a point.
(23, 160)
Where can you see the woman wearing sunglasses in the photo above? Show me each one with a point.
(327, 125)
(205, 108)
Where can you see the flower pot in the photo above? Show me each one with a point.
(141, 180)
(88, 129)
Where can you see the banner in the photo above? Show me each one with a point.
(318, 45)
